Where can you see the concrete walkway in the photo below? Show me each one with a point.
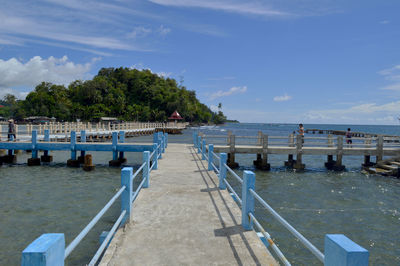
(184, 219)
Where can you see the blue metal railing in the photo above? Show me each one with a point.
(339, 250)
(51, 246)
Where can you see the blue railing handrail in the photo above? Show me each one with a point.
(107, 239)
(290, 228)
(92, 223)
(233, 173)
(56, 242)
(337, 247)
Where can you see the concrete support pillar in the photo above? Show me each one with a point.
(46, 157)
(299, 153)
(339, 156)
(121, 157)
(379, 149)
(367, 161)
(114, 162)
(231, 155)
(81, 158)
(73, 162)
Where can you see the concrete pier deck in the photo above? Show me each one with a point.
(184, 219)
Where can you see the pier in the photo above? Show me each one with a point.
(185, 211)
(295, 147)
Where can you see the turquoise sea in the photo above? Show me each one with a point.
(54, 198)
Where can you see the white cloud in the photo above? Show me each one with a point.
(371, 112)
(163, 30)
(282, 98)
(391, 74)
(384, 22)
(248, 7)
(16, 73)
(233, 90)
(18, 94)
(138, 32)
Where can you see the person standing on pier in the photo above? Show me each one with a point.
(301, 132)
(11, 130)
(348, 137)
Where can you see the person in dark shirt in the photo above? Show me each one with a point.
(348, 137)
(11, 130)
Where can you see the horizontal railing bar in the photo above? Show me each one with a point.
(234, 174)
(91, 224)
(215, 155)
(134, 196)
(215, 168)
(107, 239)
(291, 229)
(233, 191)
(270, 241)
(138, 171)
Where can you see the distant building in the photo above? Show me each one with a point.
(39, 119)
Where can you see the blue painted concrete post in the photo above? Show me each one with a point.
(198, 144)
(249, 180)
(166, 140)
(46, 250)
(83, 139)
(340, 250)
(163, 143)
(159, 142)
(155, 157)
(210, 156)
(73, 143)
(222, 170)
(203, 149)
(47, 139)
(155, 137)
(126, 196)
(114, 145)
(121, 140)
(34, 142)
(146, 170)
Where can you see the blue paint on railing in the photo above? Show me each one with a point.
(46, 250)
(249, 180)
(49, 249)
(146, 169)
(340, 250)
(210, 156)
(34, 143)
(83, 140)
(73, 144)
(222, 170)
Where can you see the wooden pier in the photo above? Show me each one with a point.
(295, 147)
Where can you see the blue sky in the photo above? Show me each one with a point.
(310, 61)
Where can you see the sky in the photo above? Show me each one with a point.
(266, 61)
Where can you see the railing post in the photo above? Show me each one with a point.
(155, 156)
(146, 170)
(159, 143)
(249, 180)
(46, 250)
(340, 250)
(203, 149)
(222, 170)
(198, 144)
(114, 145)
(83, 139)
(166, 140)
(121, 140)
(210, 156)
(73, 143)
(47, 139)
(34, 142)
(126, 196)
(163, 143)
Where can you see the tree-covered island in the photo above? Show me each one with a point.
(128, 94)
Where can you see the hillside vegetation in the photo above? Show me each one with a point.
(128, 94)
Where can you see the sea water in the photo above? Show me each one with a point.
(58, 199)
